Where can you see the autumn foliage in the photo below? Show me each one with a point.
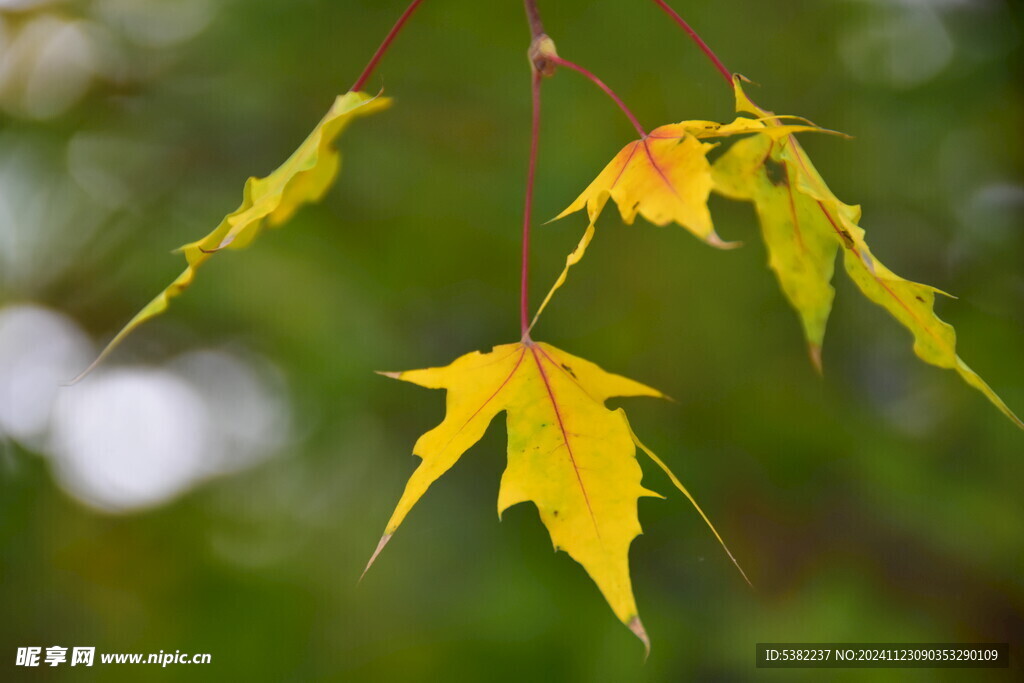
(568, 453)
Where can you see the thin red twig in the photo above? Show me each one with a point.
(599, 83)
(726, 74)
(524, 289)
(395, 30)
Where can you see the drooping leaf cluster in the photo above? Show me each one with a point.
(666, 177)
(568, 453)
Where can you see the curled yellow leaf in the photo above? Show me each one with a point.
(666, 177)
(270, 201)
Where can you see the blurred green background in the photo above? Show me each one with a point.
(219, 485)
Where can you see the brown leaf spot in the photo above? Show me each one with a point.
(776, 172)
(847, 240)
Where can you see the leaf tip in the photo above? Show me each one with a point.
(392, 375)
(80, 376)
(718, 243)
(637, 627)
(373, 558)
(814, 351)
(92, 366)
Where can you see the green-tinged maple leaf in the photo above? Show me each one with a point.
(804, 225)
(303, 178)
(569, 454)
(801, 253)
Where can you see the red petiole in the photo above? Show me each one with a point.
(726, 74)
(375, 59)
(554, 59)
(535, 78)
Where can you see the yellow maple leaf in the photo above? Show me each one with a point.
(666, 177)
(569, 454)
(270, 201)
(805, 224)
